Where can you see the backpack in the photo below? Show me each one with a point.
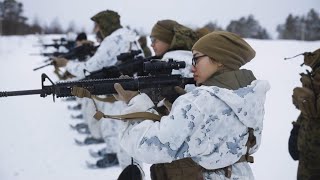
(307, 97)
(307, 100)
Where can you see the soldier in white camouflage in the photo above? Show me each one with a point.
(210, 132)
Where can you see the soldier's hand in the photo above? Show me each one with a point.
(179, 90)
(167, 104)
(88, 42)
(60, 62)
(123, 95)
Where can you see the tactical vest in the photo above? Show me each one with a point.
(307, 100)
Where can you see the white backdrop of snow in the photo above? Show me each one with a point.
(37, 143)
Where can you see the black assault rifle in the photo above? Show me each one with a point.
(56, 54)
(144, 67)
(103, 86)
(138, 66)
(128, 55)
(79, 53)
(60, 42)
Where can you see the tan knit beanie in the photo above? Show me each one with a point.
(225, 47)
(164, 30)
(178, 36)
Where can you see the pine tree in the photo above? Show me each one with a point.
(13, 23)
(248, 28)
(54, 27)
(312, 26)
(71, 27)
(213, 26)
(35, 26)
(301, 28)
(290, 29)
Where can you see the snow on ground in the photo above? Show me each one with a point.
(37, 143)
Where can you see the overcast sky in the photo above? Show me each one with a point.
(143, 14)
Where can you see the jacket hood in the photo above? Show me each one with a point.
(108, 21)
(247, 103)
(125, 33)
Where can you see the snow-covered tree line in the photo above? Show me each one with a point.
(301, 27)
(305, 27)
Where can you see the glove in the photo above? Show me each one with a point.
(88, 42)
(123, 95)
(60, 62)
(179, 90)
(167, 103)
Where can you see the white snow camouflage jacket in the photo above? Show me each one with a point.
(209, 124)
(120, 41)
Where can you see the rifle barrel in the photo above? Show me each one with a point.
(35, 69)
(20, 93)
(35, 54)
(103, 86)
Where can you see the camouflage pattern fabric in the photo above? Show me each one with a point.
(183, 38)
(108, 21)
(143, 43)
(307, 100)
(179, 37)
(202, 32)
(214, 135)
(312, 59)
(187, 169)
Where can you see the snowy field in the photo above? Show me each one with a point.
(36, 142)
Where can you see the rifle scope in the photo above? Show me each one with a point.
(156, 65)
(129, 55)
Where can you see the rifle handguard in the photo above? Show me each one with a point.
(80, 92)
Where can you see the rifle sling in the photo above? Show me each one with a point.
(134, 116)
(82, 92)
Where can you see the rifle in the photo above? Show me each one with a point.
(128, 56)
(45, 65)
(103, 86)
(127, 64)
(60, 42)
(68, 45)
(162, 67)
(140, 66)
(56, 54)
(79, 53)
(144, 66)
